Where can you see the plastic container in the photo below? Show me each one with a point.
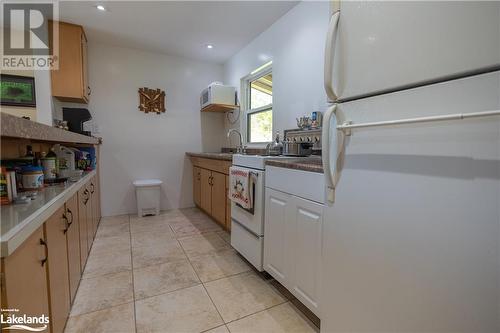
(147, 192)
(32, 177)
(49, 167)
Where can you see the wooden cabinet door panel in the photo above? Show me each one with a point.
(85, 80)
(25, 278)
(276, 232)
(88, 215)
(57, 262)
(73, 245)
(206, 190)
(228, 206)
(197, 186)
(82, 222)
(305, 249)
(219, 197)
(93, 198)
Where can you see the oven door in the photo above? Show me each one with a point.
(252, 219)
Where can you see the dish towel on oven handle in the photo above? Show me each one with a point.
(240, 183)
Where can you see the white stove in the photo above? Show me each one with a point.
(247, 226)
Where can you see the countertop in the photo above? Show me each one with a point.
(15, 127)
(19, 221)
(311, 163)
(213, 156)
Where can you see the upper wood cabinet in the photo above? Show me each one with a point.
(24, 283)
(70, 80)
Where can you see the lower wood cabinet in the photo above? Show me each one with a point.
(43, 274)
(210, 189)
(292, 245)
(82, 196)
(73, 245)
(24, 280)
(56, 228)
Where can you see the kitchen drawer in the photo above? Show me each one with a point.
(247, 244)
(303, 184)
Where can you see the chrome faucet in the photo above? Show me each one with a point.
(239, 149)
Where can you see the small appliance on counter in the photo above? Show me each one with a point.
(75, 118)
(301, 142)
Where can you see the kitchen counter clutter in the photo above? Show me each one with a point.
(311, 163)
(19, 221)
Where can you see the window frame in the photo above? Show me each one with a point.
(245, 98)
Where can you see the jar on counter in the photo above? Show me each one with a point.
(49, 167)
(32, 177)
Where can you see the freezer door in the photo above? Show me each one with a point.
(412, 242)
(379, 46)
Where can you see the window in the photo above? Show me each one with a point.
(258, 88)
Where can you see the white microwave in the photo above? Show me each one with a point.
(218, 94)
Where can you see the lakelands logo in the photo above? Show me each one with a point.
(10, 320)
(28, 35)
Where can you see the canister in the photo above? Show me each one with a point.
(32, 177)
(49, 167)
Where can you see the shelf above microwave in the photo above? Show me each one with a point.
(220, 108)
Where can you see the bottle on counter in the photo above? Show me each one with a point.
(49, 165)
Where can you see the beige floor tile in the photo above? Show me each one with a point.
(118, 219)
(116, 319)
(203, 244)
(152, 238)
(112, 230)
(220, 329)
(140, 226)
(159, 279)
(185, 229)
(226, 236)
(111, 244)
(241, 295)
(283, 318)
(185, 310)
(218, 265)
(156, 254)
(103, 292)
(113, 261)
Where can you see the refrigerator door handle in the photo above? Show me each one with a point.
(331, 38)
(329, 143)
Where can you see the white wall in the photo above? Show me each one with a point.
(138, 145)
(295, 44)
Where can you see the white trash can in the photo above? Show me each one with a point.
(147, 192)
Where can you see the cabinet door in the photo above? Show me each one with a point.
(88, 215)
(73, 244)
(85, 80)
(206, 190)
(25, 278)
(82, 220)
(276, 231)
(305, 249)
(93, 198)
(219, 197)
(197, 186)
(55, 230)
(228, 206)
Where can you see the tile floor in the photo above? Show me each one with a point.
(176, 272)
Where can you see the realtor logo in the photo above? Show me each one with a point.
(27, 35)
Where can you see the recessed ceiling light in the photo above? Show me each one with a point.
(101, 7)
(210, 46)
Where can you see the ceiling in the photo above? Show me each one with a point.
(182, 28)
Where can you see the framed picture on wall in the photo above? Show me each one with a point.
(16, 90)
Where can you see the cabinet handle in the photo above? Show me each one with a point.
(86, 199)
(67, 223)
(92, 190)
(71, 215)
(199, 175)
(44, 243)
(89, 91)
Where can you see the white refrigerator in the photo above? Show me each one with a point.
(411, 234)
